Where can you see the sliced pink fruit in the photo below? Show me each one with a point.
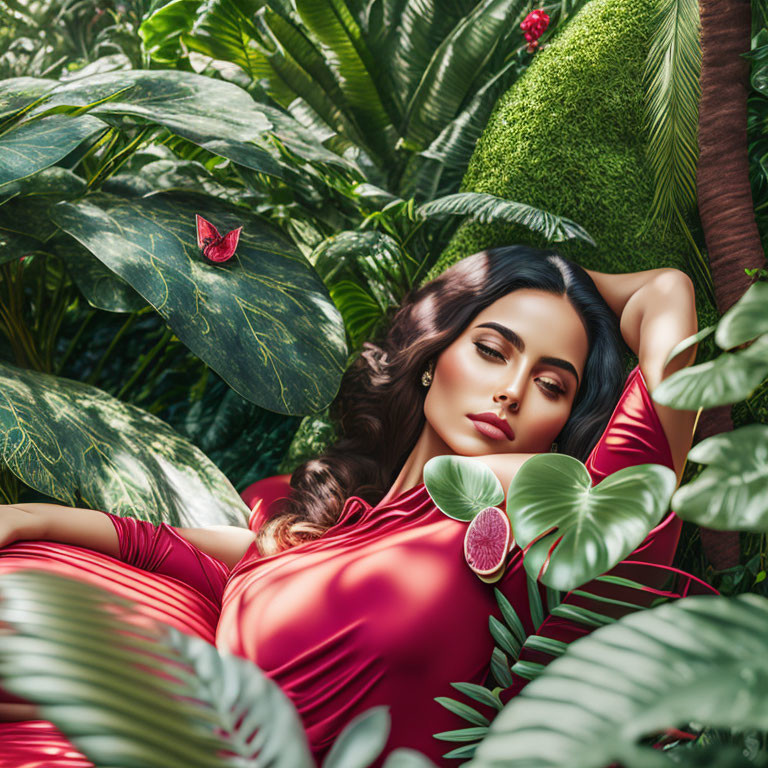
(487, 542)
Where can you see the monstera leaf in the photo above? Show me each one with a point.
(38, 144)
(729, 378)
(732, 376)
(461, 486)
(63, 438)
(570, 531)
(263, 320)
(732, 492)
(700, 659)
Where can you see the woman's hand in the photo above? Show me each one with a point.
(18, 525)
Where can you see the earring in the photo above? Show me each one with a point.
(426, 377)
(553, 449)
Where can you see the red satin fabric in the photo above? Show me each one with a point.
(383, 609)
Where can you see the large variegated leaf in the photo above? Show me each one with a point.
(13, 246)
(101, 287)
(732, 492)
(216, 115)
(486, 208)
(570, 531)
(96, 673)
(38, 144)
(701, 659)
(18, 93)
(263, 320)
(63, 438)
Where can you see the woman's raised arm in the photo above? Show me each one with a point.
(94, 530)
(656, 310)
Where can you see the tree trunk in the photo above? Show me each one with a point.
(724, 195)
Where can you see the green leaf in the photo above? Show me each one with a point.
(254, 716)
(161, 30)
(510, 616)
(29, 147)
(500, 668)
(331, 22)
(63, 438)
(462, 734)
(745, 320)
(263, 320)
(13, 246)
(453, 67)
(671, 109)
(503, 637)
(528, 669)
(534, 601)
(569, 530)
(19, 93)
(732, 492)
(94, 674)
(486, 208)
(479, 693)
(55, 182)
(468, 750)
(407, 758)
(689, 342)
(461, 486)
(581, 615)
(546, 645)
(699, 659)
(101, 287)
(361, 741)
(462, 710)
(729, 378)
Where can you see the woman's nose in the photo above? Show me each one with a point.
(510, 393)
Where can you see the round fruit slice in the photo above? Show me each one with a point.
(487, 542)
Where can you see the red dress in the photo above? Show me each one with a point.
(383, 609)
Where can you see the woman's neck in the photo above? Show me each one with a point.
(429, 445)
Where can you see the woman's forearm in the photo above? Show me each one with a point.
(656, 310)
(65, 525)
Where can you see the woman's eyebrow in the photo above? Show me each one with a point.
(519, 345)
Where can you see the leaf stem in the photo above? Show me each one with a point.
(72, 344)
(120, 333)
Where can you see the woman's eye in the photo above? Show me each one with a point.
(488, 351)
(551, 387)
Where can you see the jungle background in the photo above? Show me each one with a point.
(363, 146)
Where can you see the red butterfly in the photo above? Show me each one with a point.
(215, 248)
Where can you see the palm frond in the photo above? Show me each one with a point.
(486, 208)
(671, 79)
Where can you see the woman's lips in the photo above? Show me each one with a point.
(491, 430)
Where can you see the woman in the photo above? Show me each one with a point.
(349, 601)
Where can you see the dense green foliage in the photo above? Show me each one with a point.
(567, 137)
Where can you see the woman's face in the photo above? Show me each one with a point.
(521, 359)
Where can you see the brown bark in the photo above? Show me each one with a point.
(724, 195)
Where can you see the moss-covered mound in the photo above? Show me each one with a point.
(567, 138)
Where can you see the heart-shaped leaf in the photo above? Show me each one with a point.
(570, 531)
(462, 486)
(62, 437)
(700, 659)
(38, 144)
(729, 378)
(263, 321)
(731, 494)
(745, 320)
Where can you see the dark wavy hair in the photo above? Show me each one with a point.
(379, 410)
